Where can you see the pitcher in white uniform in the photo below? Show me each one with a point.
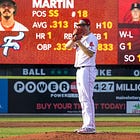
(85, 62)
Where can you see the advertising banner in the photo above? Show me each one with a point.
(60, 96)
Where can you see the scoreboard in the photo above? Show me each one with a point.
(51, 23)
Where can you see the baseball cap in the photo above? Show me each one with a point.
(12, 1)
(135, 5)
(83, 21)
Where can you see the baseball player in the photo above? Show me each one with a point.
(133, 15)
(135, 12)
(7, 12)
(86, 47)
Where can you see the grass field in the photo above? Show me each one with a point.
(13, 131)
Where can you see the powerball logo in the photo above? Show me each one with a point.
(10, 43)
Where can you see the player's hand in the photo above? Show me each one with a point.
(77, 34)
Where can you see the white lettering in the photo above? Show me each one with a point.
(104, 72)
(31, 72)
(41, 87)
(67, 35)
(129, 58)
(44, 47)
(40, 35)
(136, 73)
(40, 25)
(53, 4)
(127, 87)
(124, 34)
(39, 13)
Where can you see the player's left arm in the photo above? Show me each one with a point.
(84, 49)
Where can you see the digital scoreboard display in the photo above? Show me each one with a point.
(48, 25)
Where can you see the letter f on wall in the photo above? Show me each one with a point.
(10, 42)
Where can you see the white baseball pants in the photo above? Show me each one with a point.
(85, 78)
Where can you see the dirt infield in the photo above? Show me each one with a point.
(71, 135)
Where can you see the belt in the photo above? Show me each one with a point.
(80, 67)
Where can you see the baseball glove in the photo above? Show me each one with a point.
(77, 34)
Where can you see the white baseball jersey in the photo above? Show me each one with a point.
(90, 42)
(17, 27)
